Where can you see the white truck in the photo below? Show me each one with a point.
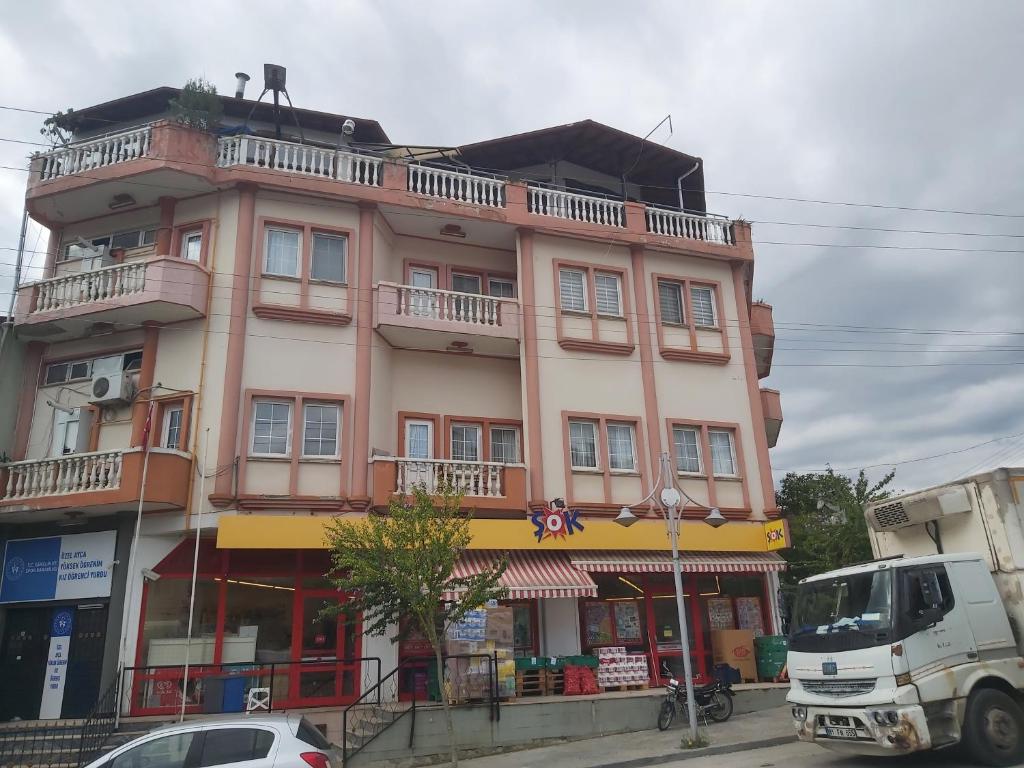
(923, 647)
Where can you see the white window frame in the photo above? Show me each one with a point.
(697, 442)
(479, 440)
(678, 289)
(515, 441)
(731, 434)
(562, 272)
(597, 446)
(491, 281)
(631, 429)
(252, 425)
(344, 258)
(337, 430)
(468, 276)
(266, 251)
(186, 239)
(714, 310)
(430, 438)
(618, 293)
(165, 430)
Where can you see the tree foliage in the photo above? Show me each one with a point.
(826, 519)
(198, 105)
(397, 569)
(59, 127)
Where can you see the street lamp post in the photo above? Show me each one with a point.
(670, 498)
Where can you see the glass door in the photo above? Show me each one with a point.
(419, 444)
(423, 301)
(325, 647)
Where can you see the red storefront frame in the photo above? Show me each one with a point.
(225, 566)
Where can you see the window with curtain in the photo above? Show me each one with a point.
(192, 246)
(271, 428)
(417, 439)
(329, 254)
(572, 289)
(583, 444)
(702, 300)
(505, 445)
(320, 430)
(723, 451)
(670, 298)
(465, 442)
(687, 450)
(606, 293)
(621, 452)
(282, 252)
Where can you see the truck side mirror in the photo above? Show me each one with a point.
(931, 590)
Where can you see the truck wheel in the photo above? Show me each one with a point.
(993, 728)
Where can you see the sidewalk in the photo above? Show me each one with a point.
(759, 729)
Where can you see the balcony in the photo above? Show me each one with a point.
(94, 483)
(429, 318)
(303, 159)
(589, 209)
(484, 485)
(99, 153)
(771, 406)
(163, 290)
(762, 332)
(472, 188)
(705, 227)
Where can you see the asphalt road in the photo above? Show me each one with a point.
(797, 755)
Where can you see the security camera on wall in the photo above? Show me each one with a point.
(348, 127)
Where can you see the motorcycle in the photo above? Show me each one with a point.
(713, 701)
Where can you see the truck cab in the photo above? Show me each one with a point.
(906, 654)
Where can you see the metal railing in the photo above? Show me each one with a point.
(548, 201)
(341, 165)
(470, 478)
(462, 186)
(97, 153)
(233, 687)
(59, 743)
(390, 700)
(74, 473)
(85, 287)
(436, 304)
(675, 223)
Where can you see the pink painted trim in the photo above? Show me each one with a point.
(595, 343)
(388, 303)
(602, 420)
(407, 416)
(534, 455)
(31, 376)
(643, 320)
(298, 400)
(739, 277)
(204, 228)
(364, 339)
(235, 356)
(146, 374)
(165, 229)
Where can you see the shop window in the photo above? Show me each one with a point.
(179, 561)
(258, 619)
(524, 637)
(165, 625)
(268, 561)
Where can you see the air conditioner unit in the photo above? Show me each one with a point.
(110, 384)
(918, 508)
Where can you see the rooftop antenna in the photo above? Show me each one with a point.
(274, 77)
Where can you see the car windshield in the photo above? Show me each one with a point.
(855, 603)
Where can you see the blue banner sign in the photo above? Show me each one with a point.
(58, 567)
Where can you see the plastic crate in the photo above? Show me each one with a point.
(580, 661)
(531, 662)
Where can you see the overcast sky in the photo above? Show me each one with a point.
(910, 105)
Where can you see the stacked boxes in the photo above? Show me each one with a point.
(618, 668)
(485, 634)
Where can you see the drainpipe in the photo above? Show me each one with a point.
(679, 184)
(9, 319)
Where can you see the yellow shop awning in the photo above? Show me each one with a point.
(307, 532)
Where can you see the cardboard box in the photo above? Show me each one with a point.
(499, 626)
(735, 647)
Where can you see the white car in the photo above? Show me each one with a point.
(253, 741)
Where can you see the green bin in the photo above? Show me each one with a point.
(770, 652)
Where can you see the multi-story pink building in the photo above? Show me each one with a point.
(339, 317)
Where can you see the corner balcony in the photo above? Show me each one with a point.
(762, 332)
(428, 318)
(771, 406)
(94, 483)
(162, 290)
(485, 485)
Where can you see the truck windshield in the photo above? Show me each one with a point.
(843, 613)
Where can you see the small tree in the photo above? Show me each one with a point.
(198, 105)
(399, 567)
(59, 127)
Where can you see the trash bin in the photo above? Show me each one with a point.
(233, 696)
(770, 652)
(213, 695)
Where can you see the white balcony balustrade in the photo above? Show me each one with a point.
(671, 223)
(456, 185)
(74, 473)
(96, 153)
(85, 287)
(299, 158)
(464, 308)
(545, 201)
(470, 478)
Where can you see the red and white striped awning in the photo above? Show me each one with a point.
(529, 574)
(598, 561)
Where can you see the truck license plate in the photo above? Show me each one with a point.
(841, 733)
